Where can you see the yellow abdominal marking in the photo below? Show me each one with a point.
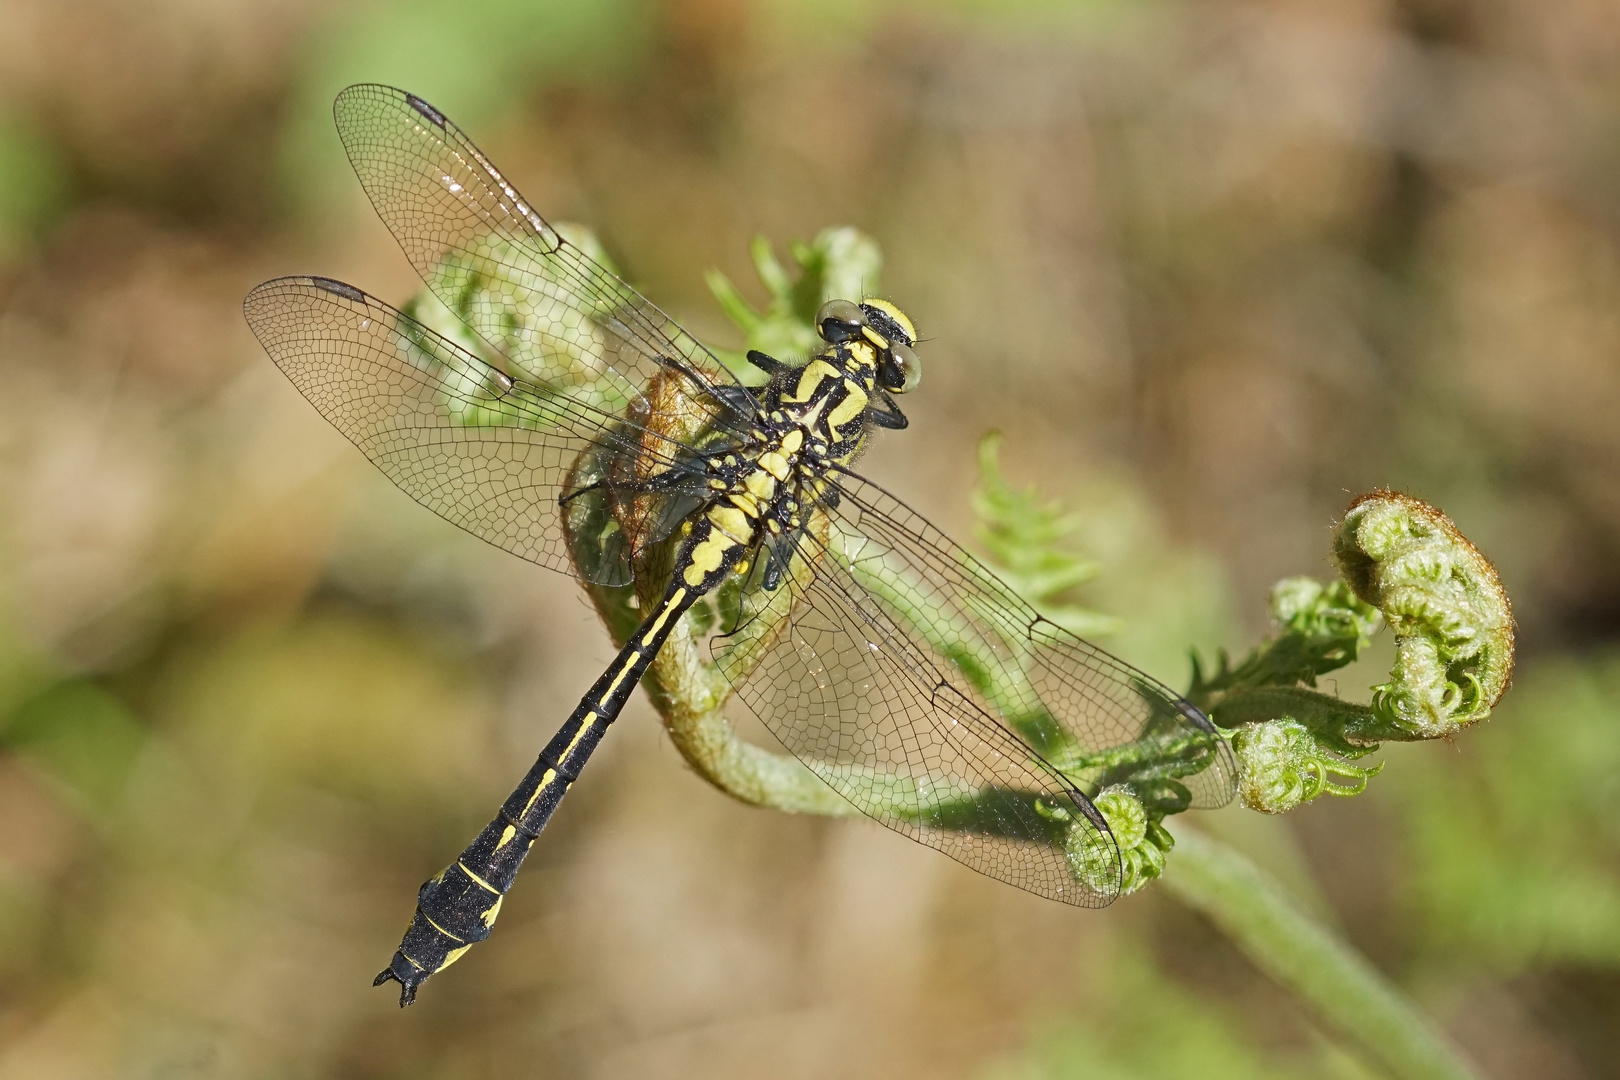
(441, 930)
(814, 372)
(707, 557)
(584, 726)
(674, 599)
(853, 405)
(731, 521)
(545, 782)
(506, 837)
(478, 879)
(455, 954)
(495, 909)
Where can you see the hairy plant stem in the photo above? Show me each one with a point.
(1349, 996)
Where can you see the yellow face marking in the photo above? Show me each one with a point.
(792, 441)
(478, 879)
(896, 314)
(814, 372)
(733, 522)
(775, 464)
(853, 405)
(761, 484)
(874, 337)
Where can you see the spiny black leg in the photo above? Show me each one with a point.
(739, 399)
(770, 365)
(891, 418)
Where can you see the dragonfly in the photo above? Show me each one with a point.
(565, 418)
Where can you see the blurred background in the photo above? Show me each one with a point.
(1213, 267)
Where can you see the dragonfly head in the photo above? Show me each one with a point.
(886, 328)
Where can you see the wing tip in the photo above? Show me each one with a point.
(361, 90)
(305, 281)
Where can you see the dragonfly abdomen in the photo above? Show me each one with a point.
(456, 909)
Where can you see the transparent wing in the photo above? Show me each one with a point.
(1093, 717)
(487, 452)
(901, 671)
(531, 295)
(857, 697)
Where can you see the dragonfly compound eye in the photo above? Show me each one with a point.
(839, 320)
(900, 370)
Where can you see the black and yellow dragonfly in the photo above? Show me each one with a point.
(572, 423)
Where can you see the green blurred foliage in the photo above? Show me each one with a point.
(34, 185)
(1514, 844)
(477, 59)
(81, 737)
(1142, 1025)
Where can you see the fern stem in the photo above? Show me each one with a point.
(1344, 991)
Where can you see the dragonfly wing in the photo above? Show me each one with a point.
(487, 452)
(1092, 716)
(529, 293)
(862, 701)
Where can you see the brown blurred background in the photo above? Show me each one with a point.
(1213, 267)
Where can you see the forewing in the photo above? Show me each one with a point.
(487, 452)
(1093, 717)
(530, 294)
(861, 701)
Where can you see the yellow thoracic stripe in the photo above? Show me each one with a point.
(853, 405)
(814, 372)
